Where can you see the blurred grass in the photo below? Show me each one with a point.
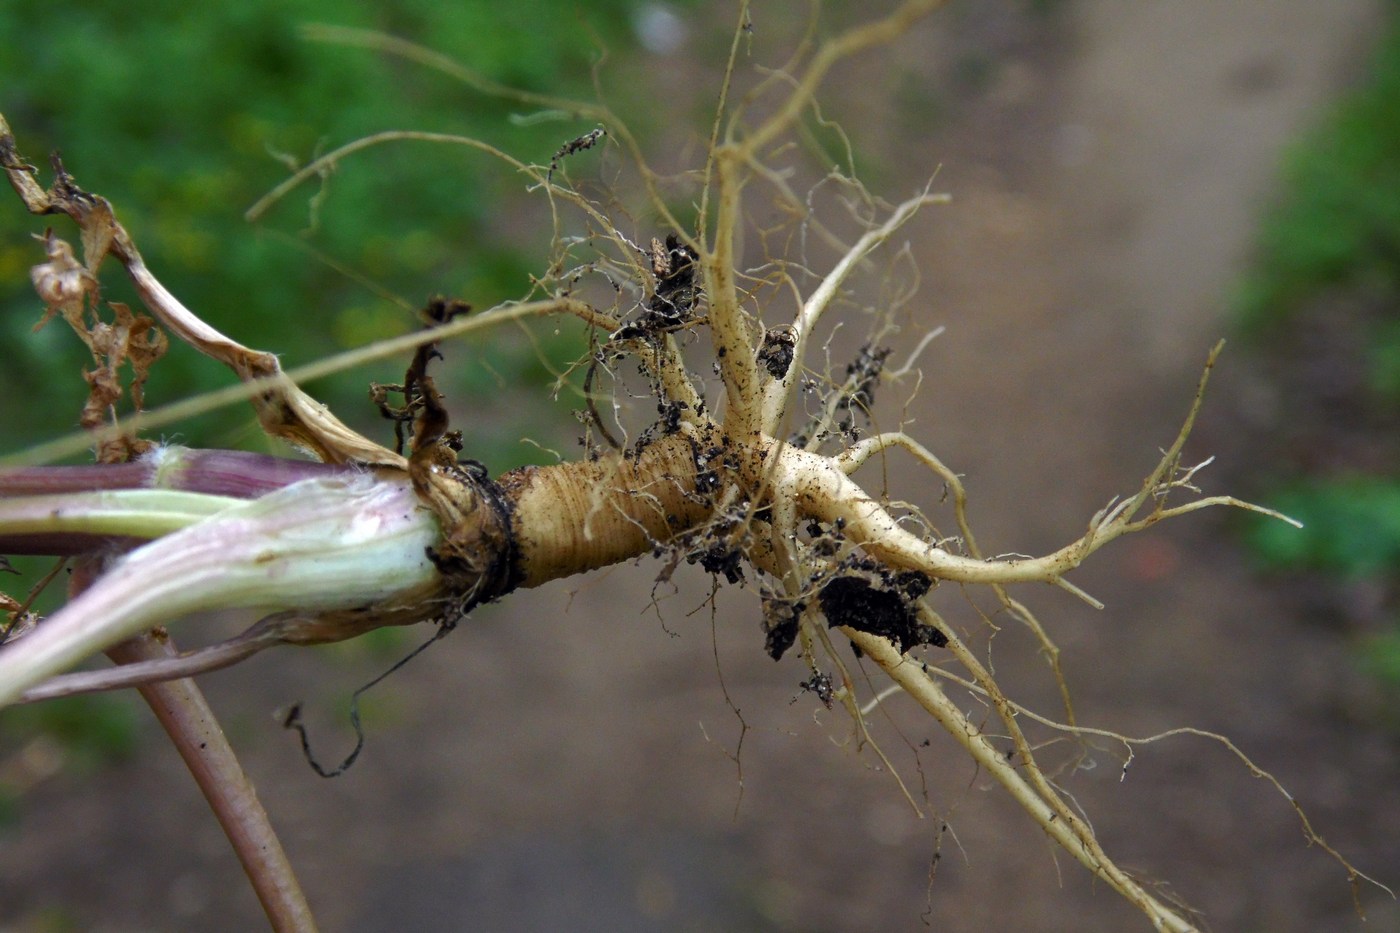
(1328, 257)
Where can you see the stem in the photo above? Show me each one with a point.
(266, 633)
(232, 473)
(356, 545)
(32, 524)
(189, 721)
(217, 472)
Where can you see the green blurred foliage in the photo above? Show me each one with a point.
(1381, 659)
(1338, 223)
(1351, 531)
(1351, 527)
(1383, 362)
(180, 116)
(1337, 230)
(83, 733)
(93, 729)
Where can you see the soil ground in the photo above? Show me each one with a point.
(566, 760)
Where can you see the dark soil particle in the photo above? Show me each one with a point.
(780, 619)
(884, 605)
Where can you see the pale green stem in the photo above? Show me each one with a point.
(137, 513)
(317, 545)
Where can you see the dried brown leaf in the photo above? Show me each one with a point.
(283, 409)
(63, 283)
(70, 289)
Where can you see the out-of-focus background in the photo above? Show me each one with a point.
(1130, 183)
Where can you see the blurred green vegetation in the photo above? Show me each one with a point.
(182, 116)
(1339, 223)
(77, 734)
(1331, 246)
(1351, 527)
(94, 729)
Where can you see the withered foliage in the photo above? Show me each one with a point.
(128, 338)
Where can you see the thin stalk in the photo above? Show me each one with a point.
(273, 630)
(233, 473)
(137, 513)
(190, 723)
